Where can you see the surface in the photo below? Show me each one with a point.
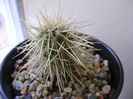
(112, 22)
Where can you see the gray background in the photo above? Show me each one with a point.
(112, 22)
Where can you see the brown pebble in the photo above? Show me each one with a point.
(78, 97)
(44, 93)
(25, 91)
(101, 97)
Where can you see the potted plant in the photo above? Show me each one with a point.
(57, 61)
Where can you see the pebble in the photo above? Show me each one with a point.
(105, 62)
(97, 56)
(95, 81)
(97, 94)
(21, 78)
(70, 84)
(92, 88)
(84, 73)
(97, 64)
(13, 75)
(17, 75)
(80, 90)
(99, 83)
(38, 93)
(17, 84)
(106, 89)
(83, 54)
(58, 98)
(32, 76)
(27, 76)
(74, 92)
(97, 88)
(72, 97)
(33, 86)
(33, 94)
(24, 72)
(24, 91)
(26, 84)
(104, 82)
(49, 84)
(98, 70)
(103, 75)
(78, 97)
(45, 97)
(55, 94)
(83, 79)
(44, 93)
(39, 90)
(20, 97)
(68, 95)
(63, 94)
(104, 69)
(87, 83)
(19, 61)
(101, 97)
(49, 97)
(68, 89)
(90, 96)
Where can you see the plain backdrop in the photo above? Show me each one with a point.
(112, 22)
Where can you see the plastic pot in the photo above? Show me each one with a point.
(115, 66)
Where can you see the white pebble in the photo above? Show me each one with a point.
(67, 89)
(105, 62)
(21, 78)
(26, 83)
(19, 61)
(97, 94)
(17, 84)
(103, 75)
(27, 76)
(92, 88)
(106, 89)
(97, 56)
(83, 54)
(32, 76)
(39, 90)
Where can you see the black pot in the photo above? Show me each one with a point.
(117, 74)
